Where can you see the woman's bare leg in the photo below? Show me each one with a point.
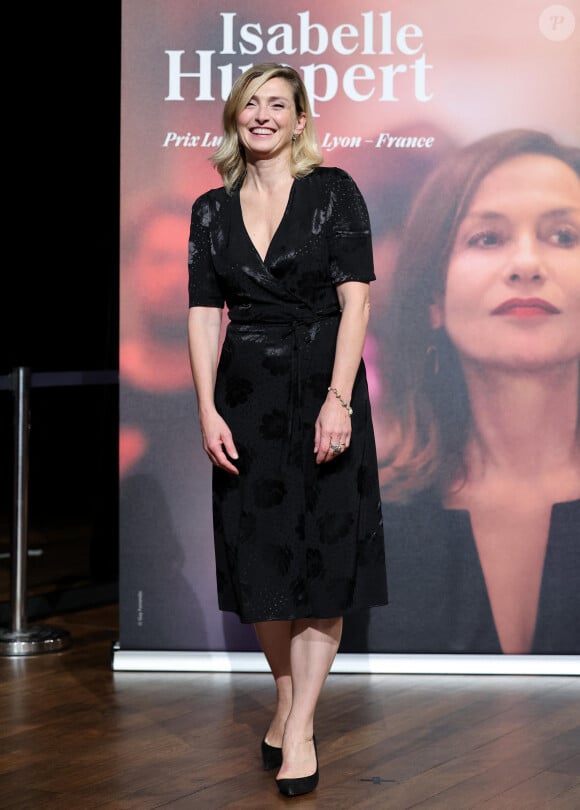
(313, 648)
(275, 638)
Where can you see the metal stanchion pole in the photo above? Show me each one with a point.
(20, 639)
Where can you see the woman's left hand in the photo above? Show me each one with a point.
(332, 431)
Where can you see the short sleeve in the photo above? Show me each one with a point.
(204, 289)
(350, 241)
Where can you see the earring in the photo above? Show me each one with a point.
(432, 359)
(294, 137)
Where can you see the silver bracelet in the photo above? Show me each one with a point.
(343, 402)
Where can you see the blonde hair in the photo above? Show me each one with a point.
(229, 159)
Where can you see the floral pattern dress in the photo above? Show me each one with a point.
(293, 539)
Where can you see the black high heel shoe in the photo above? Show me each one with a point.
(271, 756)
(302, 784)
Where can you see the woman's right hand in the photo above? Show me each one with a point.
(218, 442)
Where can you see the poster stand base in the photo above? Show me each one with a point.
(350, 663)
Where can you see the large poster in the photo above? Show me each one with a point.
(396, 89)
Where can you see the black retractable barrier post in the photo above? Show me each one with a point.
(20, 639)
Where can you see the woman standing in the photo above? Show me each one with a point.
(284, 408)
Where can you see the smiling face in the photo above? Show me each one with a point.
(269, 120)
(512, 297)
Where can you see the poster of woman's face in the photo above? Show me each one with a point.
(459, 123)
(481, 484)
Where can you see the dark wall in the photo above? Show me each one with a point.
(60, 287)
(66, 269)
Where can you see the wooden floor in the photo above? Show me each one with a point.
(76, 735)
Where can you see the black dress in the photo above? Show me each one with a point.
(293, 539)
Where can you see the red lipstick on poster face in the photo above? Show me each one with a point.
(526, 308)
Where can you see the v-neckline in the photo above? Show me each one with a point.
(276, 231)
